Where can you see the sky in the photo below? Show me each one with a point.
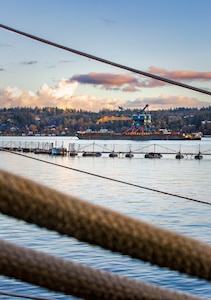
(167, 38)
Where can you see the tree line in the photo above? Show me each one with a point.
(56, 121)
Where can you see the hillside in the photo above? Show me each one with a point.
(55, 121)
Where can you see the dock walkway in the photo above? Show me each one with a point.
(105, 149)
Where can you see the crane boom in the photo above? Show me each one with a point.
(145, 107)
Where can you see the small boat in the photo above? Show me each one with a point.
(26, 150)
(179, 155)
(113, 154)
(92, 154)
(73, 153)
(198, 156)
(153, 155)
(129, 154)
(59, 151)
(42, 151)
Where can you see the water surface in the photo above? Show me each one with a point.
(187, 177)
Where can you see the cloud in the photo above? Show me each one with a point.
(31, 62)
(62, 96)
(181, 75)
(63, 90)
(131, 83)
(14, 97)
(93, 103)
(126, 82)
(165, 101)
(59, 96)
(1, 69)
(65, 61)
(108, 22)
(5, 45)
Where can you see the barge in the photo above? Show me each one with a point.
(141, 130)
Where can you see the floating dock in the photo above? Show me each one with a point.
(111, 150)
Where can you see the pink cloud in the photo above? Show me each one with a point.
(63, 95)
(165, 101)
(181, 75)
(131, 83)
(108, 80)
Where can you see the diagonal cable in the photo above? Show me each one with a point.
(105, 61)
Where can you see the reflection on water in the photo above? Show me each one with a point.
(187, 177)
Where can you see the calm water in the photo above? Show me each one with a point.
(187, 177)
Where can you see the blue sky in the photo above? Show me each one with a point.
(167, 38)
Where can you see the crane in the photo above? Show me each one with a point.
(142, 121)
(142, 117)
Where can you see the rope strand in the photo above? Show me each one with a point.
(71, 278)
(23, 199)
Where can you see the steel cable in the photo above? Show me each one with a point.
(105, 61)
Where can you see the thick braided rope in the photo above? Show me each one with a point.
(34, 203)
(71, 278)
